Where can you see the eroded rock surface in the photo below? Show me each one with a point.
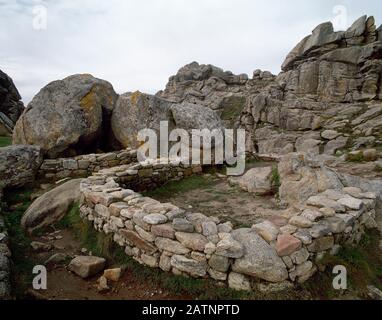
(327, 99)
(19, 165)
(11, 106)
(214, 88)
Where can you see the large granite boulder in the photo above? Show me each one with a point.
(331, 81)
(68, 116)
(19, 165)
(137, 111)
(260, 260)
(11, 106)
(52, 206)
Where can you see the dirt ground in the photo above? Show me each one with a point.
(216, 197)
(64, 285)
(227, 203)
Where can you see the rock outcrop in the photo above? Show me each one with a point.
(68, 116)
(52, 206)
(326, 99)
(11, 106)
(216, 89)
(19, 165)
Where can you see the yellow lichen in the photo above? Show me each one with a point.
(135, 96)
(88, 101)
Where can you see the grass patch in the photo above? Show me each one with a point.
(363, 264)
(97, 242)
(355, 157)
(18, 202)
(232, 108)
(5, 141)
(184, 185)
(275, 179)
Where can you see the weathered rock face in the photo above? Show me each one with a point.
(216, 89)
(137, 111)
(11, 106)
(190, 116)
(51, 206)
(301, 178)
(69, 116)
(19, 165)
(257, 181)
(330, 81)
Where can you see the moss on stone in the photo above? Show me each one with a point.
(232, 108)
(5, 141)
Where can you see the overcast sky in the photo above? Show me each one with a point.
(137, 45)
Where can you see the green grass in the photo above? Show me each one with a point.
(184, 185)
(358, 157)
(363, 264)
(232, 108)
(275, 179)
(5, 141)
(18, 201)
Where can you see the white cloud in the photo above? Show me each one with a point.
(139, 44)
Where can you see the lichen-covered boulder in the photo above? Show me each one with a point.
(19, 165)
(52, 206)
(67, 116)
(137, 111)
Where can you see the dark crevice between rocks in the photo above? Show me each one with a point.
(102, 141)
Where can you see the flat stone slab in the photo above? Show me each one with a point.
(87, 266)
(191, 266)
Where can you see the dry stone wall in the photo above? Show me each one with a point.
(85, 165)
(279, 252)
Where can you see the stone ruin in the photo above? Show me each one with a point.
(321, 215)
(323, 109)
